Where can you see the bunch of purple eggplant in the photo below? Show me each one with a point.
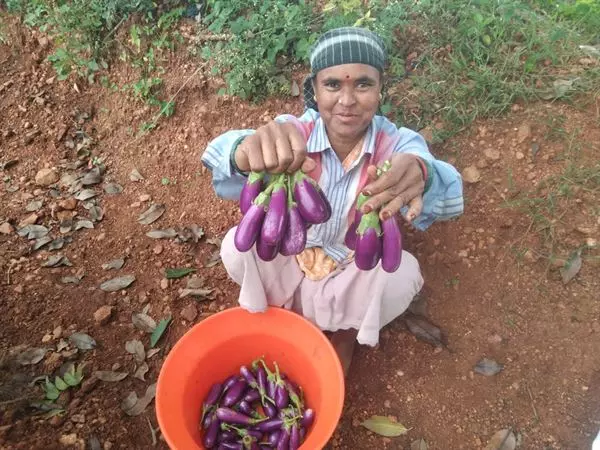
(373, 240)
(257, 409)
(278, 214)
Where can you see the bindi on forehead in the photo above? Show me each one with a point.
(347, 77)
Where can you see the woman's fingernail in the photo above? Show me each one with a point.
(386, 215)
(367, 193)
(366, 209)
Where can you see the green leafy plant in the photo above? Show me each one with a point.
(72, 378)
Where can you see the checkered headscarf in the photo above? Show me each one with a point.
(348, 45)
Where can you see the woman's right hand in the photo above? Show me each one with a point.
(274, 148)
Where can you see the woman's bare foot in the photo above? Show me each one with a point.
(344, 342)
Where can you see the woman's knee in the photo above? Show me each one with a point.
(232, 258)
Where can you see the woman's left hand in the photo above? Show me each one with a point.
(402, 184)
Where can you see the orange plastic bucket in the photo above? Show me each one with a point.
(216, 348)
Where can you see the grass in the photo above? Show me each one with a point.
(556, 201)
(487, 55)
(469, 59)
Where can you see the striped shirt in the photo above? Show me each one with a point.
(443, 200)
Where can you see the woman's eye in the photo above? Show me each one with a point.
(332, 84)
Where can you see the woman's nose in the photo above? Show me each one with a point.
(347, 97)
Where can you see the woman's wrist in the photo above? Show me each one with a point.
(234, 165)
(426, 170)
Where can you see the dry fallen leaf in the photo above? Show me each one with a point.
(571, 268)
(383, 426)
(136, 348)
(116, 284)
(115, 264)
(502, 440)
(85, 194)
(134, 406)
(162, 234)
(96, 213)
(419, 444)
(31, 356)
(487, 367)
(34, 205)
(33, 231)
(143, 322)
(214, 259)
(57, 261)
(82, 341)
(110, 376)
(94, 176)
(425, 330)
(70, 280)
(84, 224)
(57, 244)
(39, 243)
(152, 352)
(152, 214)
(113, 188)
(141, 371)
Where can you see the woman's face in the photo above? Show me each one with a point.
(348, 97)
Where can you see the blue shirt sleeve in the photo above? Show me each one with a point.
(226, 182)
(444, 198)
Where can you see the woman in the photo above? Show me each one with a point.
(339, 141)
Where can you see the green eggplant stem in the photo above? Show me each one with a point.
(255, 176)
(360, 201)
(369, 220)
(290, 189)
(264, 197)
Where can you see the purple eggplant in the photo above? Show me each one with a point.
(227, 436)
(391, 244)
(302, 433)
(271, 387)
(273, 438)
(231, 446)
(245, 407)
(211, 399)
(210, 438)
(248, 230)
(265, 251)
(351, 234)
(295, 437)
(276, 218)
(230, 381)
(251, 396)
(294, 239)
(251, 190)
(249, 377)
(270, 409)
(368, 242)
(269, 425)
(281, 397)
(350, 238)
(207, 420)
(261, 377)
(312, 203)
(284, 439)
(235, 393)
(308, 417)
(230, 416)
